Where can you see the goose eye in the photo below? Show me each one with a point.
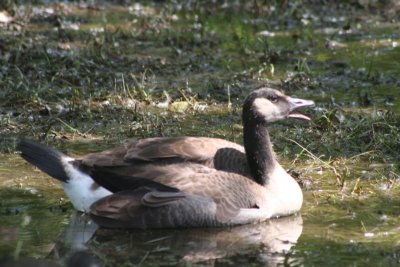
(273, 98)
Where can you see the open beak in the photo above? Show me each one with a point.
(296, 103)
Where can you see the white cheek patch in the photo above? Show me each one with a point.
(267, 109)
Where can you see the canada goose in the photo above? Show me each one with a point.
(183, 181)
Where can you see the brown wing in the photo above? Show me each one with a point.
(230, 192)
(188, 164)
(126, 210)
(139, 158)
(198, 186)
(197, 149)
(150, 149)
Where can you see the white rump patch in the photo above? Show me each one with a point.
(81, 188)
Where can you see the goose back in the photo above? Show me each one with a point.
(152, 157)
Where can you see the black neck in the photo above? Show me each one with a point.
(258, 150)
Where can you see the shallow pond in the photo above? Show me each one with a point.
(357, 225)
(85, 76)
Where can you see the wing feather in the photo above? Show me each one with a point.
(230, 192)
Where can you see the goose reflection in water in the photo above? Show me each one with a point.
(268, 242)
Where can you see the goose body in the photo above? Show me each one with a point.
(183, 181)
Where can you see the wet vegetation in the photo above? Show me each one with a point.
(84, 77)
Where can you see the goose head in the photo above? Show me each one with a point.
(266, 105)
